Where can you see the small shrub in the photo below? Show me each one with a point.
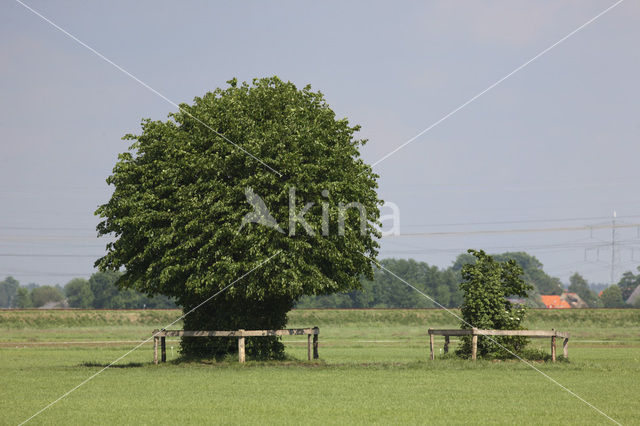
(486, 285)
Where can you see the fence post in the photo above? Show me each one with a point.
(565, 348)
(155, 347)
(431, 345)
(163, 347)
(474, 344)
(553, 347)
(315, 342)
(309, 347)
(446, 344)
(241, 346)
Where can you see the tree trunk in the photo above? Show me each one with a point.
(227, 313)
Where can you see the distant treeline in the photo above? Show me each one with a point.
(97, 292)
(385, 291)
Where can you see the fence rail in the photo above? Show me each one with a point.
(475, 332)
(159, 336)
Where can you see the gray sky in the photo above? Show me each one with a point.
(556, 145)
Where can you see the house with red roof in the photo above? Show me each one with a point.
(555, 302)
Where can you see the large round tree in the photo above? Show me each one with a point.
(226, 183)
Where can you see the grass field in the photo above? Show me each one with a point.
(373, 369)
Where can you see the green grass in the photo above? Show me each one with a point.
(373, 369)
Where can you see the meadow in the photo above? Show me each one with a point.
(373, 368)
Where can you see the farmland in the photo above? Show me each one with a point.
(373, 369)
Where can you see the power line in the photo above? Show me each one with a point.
(513, 231)
(571, 219)
(46, 274)
(429, 225)
(49, 255)
(45, 228)
(579, 243)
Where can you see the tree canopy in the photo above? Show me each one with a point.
(44, 294)
(580, 286)
(9, 292)
(181, 192)
(78, 293)
(628, 283)
(612, 297)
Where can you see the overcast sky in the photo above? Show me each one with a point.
(555, 145)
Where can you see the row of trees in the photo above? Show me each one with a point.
(98, 292)
(12, 295)
(614, 296)
(386, 291)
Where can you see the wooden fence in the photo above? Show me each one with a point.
(475, 332)
(160, 335)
